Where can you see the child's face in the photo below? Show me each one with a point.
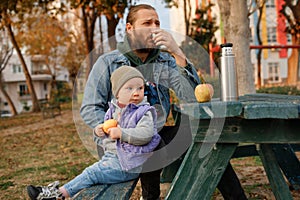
(131, 92)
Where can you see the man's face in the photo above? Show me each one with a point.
(140, 31)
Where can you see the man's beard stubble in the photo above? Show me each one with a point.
(139, 46)
(144, 50)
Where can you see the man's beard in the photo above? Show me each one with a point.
(144, 50)
(140, 46)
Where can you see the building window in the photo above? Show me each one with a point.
(17, 69)
(45, 86)
(23, 90)
(272, 38)
(273, 71)
(270, 4)
(289, 38)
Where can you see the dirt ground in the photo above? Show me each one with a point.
(16, 173)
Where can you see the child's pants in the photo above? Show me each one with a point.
(105, 171)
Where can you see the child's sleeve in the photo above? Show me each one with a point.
(142, 133)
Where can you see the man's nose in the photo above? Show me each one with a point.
(154, 25)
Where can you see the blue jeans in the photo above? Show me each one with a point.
(105, 171)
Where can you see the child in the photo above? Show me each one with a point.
(126, 147)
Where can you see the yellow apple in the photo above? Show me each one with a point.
(109, 124)
(204, 92)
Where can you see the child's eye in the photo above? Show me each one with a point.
(129, 88)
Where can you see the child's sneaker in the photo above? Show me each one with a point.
(50, 192)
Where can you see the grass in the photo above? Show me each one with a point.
(36, 154)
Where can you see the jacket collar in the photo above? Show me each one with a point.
(114, 103)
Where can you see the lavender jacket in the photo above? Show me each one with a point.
(130, 155)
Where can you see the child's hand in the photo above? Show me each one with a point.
(99, 131)
(114, 133)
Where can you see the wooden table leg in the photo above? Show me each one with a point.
(279, 187)
(289, 163)
(197, 178)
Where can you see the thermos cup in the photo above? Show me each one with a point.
(228, 74)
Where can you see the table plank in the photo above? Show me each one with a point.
(250, 131)
(108, 191)
(275, 110)
(257, 106)
(197, 178)
(254, 106)
(213, 109)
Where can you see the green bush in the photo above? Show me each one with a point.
(289, 90)
(64, 93)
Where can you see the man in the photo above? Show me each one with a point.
(162, 70)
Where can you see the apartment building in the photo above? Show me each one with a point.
(274, 61)
(15, 81)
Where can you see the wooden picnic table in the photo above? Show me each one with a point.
(220, 128)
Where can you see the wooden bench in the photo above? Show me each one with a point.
(119, 191)
(123, 191)
(49, 109)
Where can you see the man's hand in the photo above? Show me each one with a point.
(166, 41)
(99, 130)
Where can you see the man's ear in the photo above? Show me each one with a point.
(129, 27)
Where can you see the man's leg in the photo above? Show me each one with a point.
(289, 163)
(150, 182)
(230, 186)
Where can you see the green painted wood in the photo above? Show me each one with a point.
(270, 106)
(270, 97)
(263, 109)
(252, 131)
(197, 178)
(289, 163)
(254, 106)
(279, 187)
(254, 118)
(213, 109)
(119, 191)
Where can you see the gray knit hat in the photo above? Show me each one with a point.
(121, 75)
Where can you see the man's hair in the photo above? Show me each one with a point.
(131, 18)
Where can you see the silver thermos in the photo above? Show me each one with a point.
(228, 75)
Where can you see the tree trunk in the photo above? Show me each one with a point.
(293, 63)
(7, 97)
(112, 23)
(88, 30)
(35, 105)
(258, 56)
(237, 31)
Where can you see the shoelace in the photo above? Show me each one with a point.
(50, 191)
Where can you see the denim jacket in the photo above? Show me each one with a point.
(161, 71)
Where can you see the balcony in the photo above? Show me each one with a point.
(40, 71)
(41, 77)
